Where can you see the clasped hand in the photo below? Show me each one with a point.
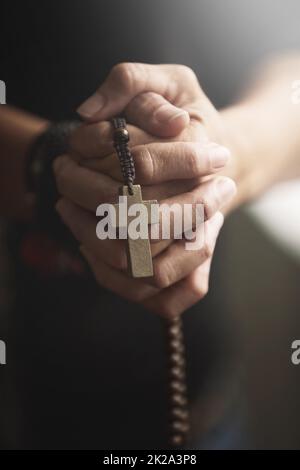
(179, 146)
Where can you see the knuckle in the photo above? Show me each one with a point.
(189, 76)
(146, 100)
(191, 150)
(125, 73)
(100, 140)
(145, 162)
(104, 129)
(187, 72)
(198, 287)
(208, 207)
(203, 200)
(60, 167)
(131, 295)
(161, 275)
(81, 140)
(89, 140)
(207, 250)
(76, 138)
(168, 309)
(118, 259)
(138, 295)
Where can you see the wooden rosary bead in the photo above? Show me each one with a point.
(177, 440)
(179, 415)
(177, 359)
(177, 386)
(121, 134)
(178, 399)
(180, 427)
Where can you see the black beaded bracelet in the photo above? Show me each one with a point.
(54, 141)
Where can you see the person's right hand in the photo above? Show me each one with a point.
(164, 103)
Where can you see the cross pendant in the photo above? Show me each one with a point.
(139, 251)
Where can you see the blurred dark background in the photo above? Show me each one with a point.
(54, 54)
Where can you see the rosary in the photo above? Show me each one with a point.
(140, 264)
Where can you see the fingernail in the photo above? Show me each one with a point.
(226, 189)
(219, 157)
(167, 113)
(91, 106)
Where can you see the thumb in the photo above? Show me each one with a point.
(128, 80)
(152, 113)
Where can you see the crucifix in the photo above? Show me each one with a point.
(139, 251)
(140, 262)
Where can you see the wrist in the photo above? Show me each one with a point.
(238, 168)
(18, 130)
(50, 144)
(255, 161)
(263, 130)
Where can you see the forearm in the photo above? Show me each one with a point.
(17, 131)
(264, 132)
